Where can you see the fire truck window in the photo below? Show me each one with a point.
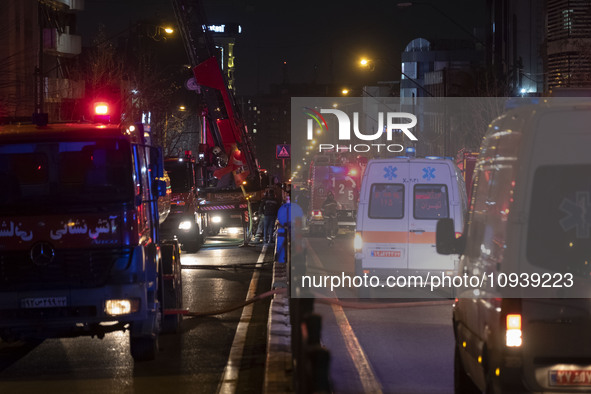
(430, 202)
(386, 201)
(29, 168)
(73, 167)
(179, 179)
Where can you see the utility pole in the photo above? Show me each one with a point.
(39, 117)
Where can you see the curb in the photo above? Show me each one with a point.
(278, 366)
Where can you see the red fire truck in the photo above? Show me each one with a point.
(341, 176)
(228, 177)
(466, 160)
(184, 222)
(80, 247)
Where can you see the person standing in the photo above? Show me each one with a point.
(269, 208)
(329, 212)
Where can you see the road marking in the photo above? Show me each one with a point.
(230, 378)
(366, 374)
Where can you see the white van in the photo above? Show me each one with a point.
(530, 215)
(400, 202)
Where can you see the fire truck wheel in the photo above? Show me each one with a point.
(143, 335)
(172, 293)
(143, 348)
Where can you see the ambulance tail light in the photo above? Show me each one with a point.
(358, 242)
(513, 333)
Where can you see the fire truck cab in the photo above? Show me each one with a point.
(184, 222)
(80, 249)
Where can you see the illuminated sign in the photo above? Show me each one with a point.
(230, 28)
(283, 151)
(217, 28)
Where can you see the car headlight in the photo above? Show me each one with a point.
(185, 225)
(216, 219)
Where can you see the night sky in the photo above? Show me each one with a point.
(320, 41)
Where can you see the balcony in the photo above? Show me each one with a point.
(61, 44)
(74, 5)
(57, 89)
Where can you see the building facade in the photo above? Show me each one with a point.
(568, 44)
(38, 54)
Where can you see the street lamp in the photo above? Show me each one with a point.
(158, 33)
(370, 64)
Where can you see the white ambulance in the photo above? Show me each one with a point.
(400, 202)
(529, 221)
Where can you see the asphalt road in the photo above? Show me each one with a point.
(193, 361)
(405, 348)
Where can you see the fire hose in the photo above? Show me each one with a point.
(259, 297)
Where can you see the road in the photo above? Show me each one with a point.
(193, 361)
(405, 348)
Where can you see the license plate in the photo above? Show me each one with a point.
(235, 216)
(386, 253)
(44, 302)
(570, 377)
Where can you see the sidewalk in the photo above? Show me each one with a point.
(278, 367)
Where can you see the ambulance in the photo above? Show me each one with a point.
(400, 202)
(529, 220)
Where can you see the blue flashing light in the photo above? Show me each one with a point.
(411, 151)
(433, 157)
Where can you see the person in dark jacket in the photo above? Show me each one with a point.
(269, 208)
(329, 212)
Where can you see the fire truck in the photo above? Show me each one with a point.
(184, 223)
(80, 246)
(340, 175)
(466, 161)
(228, 177)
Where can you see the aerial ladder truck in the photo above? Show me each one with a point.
(228, 177)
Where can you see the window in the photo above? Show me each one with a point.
(430, 202)
(60, 172)
(567, 17)
(559, 223)
(386, 201)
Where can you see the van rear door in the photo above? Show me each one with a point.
(429, 194)
(385, 228)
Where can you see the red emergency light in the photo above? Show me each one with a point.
(101, 112)
(101, 108)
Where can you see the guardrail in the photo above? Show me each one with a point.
(310, 359)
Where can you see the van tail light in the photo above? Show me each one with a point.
(513, 334)
(358, 242)
(458, 235)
